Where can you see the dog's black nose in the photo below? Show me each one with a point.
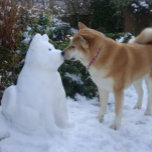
(62, 53)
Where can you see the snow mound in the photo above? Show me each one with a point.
(88, 135)
(37, 103)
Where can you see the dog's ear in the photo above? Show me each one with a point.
(83, 42)
(81, 25)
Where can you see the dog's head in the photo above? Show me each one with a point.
(83, 45)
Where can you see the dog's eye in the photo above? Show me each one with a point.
(50, 49)
(72, 46)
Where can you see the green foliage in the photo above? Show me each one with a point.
(114, 35)
(41, 25)
(61, 44)
(105, 16)
(120, 4)
(82, 85)
(60, 32)
(10, 66)
(44, 20)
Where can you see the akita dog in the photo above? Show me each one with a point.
(114, 66)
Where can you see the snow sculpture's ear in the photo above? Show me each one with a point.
(36, 38)
(35, 41)
(45, 37)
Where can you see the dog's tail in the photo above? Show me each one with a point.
(145, 37)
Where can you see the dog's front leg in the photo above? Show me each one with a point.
(118, 94)
(103, 98)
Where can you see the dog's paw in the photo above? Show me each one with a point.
(148, 112)
(100, 118)
(137, 106)
(115, 126)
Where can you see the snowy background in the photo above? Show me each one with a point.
(87, 134)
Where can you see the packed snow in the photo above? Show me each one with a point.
(85, 133)
(74, 78)
(37, 103)
(144, 4)
(123, 38)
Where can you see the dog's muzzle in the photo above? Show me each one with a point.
(63, 55)
(72, 59)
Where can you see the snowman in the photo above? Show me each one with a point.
(37, 102)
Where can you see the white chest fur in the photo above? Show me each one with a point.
(98, 76)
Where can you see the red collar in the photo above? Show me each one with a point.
(94, 58)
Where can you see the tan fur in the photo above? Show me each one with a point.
(117, 66)
(146, 34)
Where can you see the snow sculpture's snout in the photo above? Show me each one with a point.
(57, 57)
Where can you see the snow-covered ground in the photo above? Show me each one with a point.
(87, 134)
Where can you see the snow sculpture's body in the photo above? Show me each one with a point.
(38, 100)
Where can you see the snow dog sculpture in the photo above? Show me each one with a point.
(37, 101)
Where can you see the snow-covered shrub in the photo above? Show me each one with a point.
(120, 37)
(11, 63)
(76, 79)
(139, 6)
(124, 38)
(140, 13)
(41, 25)
(58, 10)
(136, 14)
(60, 32)
(76, 7)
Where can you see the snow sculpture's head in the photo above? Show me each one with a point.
(42, 54)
